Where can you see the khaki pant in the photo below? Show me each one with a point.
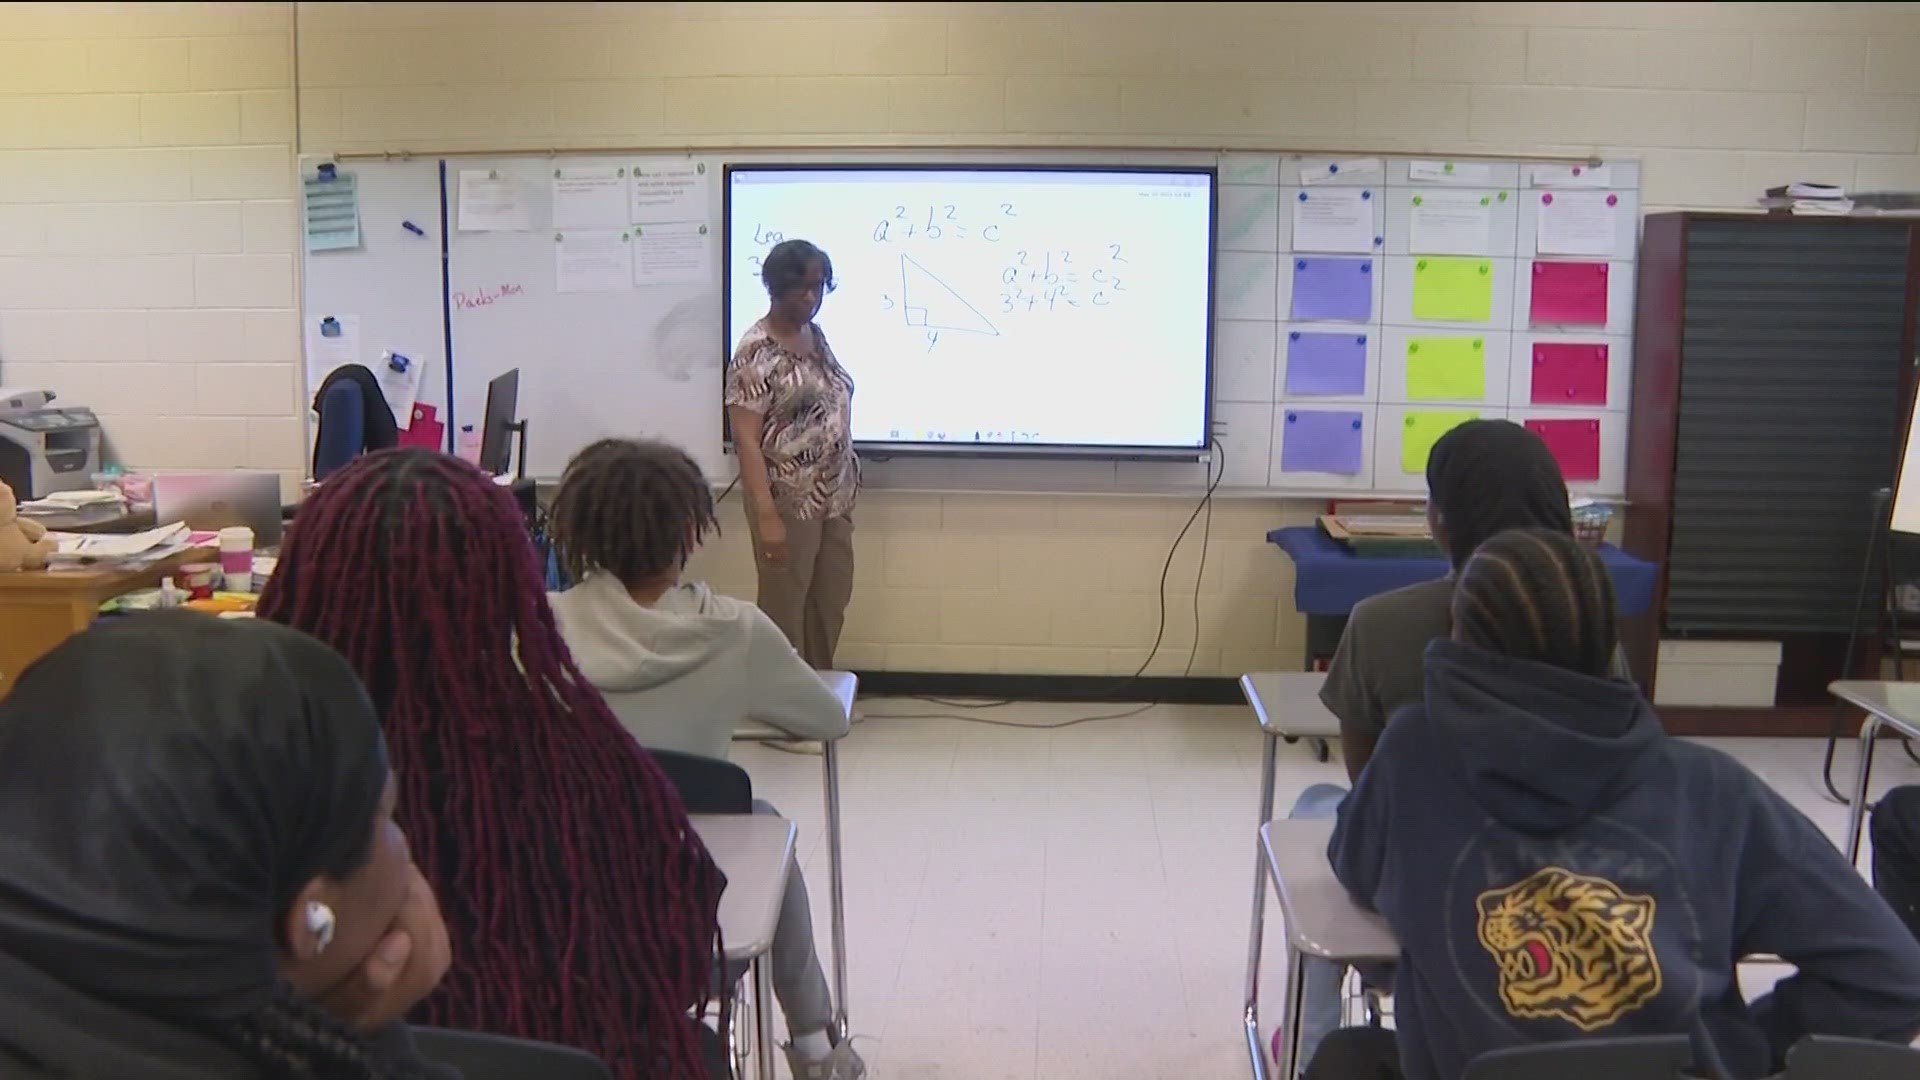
(806, 597)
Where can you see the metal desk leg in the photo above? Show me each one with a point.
(1291, 1012)
(762, 1019)
(830, 758)
(1256, 1051)
(1857, 809)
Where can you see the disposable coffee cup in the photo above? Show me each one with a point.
(236, 558)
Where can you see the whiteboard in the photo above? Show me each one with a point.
(389, 286)
(648, 360)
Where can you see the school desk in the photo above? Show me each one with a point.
(1893, 705)
(1328, 580)
(845, 686)
(39, 609)
(754, 851)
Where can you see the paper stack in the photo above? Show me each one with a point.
(67, 502)
(130, 550)
(1809, 199)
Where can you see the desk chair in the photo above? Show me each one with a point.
(1321, 921)
(1656, 1057)
(497, 1057)
(712, 786)
(1824, 1057)
(707, 785)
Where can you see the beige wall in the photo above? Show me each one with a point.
(146, 219)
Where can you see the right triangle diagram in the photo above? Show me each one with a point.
(928, 302)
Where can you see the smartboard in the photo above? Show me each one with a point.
(999, 309)
(1531, 319)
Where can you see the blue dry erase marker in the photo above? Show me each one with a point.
(412, 228)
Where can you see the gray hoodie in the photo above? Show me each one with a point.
(687, 672)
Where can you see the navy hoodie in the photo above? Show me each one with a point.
(1556, 867)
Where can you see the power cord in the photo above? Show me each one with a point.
(1203, 506)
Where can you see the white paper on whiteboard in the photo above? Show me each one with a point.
(668, 189)
(401, 388)
(1570, 176)
(1451, 223)
(592, 260)
(1464, 172)
(677, 254)
(491, 203)
(1577, 223)
(325, 353)
(1340, 170)
(593, 198)
(1334, 220)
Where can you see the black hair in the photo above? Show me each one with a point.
(632, 508)
(1538, 594)
(785, 268)
(1487, 476)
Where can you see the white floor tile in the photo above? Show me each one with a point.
(1069, 903)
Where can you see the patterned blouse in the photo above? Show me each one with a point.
(808, 405)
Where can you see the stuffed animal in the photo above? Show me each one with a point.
(24, 545)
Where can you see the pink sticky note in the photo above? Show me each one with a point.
(1569, 294)
(1569, 373)
(1575, 445)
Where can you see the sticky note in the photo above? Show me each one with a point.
(1575, 445)
(1569, 294)
(1326, 363)
(1325, 441)
(1453, 289)
(1421, 430)
(1332, 290)
(1446, 369)
(1569, 373)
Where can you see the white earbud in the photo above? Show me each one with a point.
(320, 924)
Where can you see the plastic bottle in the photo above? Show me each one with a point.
(469, 445)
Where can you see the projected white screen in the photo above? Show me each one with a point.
(989, 308)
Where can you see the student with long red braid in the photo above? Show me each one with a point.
(582, 906)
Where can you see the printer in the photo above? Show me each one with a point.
(43, 448)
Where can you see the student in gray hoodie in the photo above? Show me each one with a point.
(683, 667)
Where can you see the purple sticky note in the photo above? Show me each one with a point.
(1326, 363)
(1315, 440)
(1332, 290)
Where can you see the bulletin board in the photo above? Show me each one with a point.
(1363, 305)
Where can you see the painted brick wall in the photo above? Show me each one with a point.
(146, 225)
(145, 220)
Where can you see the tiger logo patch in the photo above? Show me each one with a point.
(1571, 947)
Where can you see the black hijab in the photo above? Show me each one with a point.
(168, 785)
(1488, 476)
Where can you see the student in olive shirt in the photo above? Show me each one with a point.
(1483, 478)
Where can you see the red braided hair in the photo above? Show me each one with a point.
(582, 906)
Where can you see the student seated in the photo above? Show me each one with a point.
(683, 667)
(200, 873)
(583, 906)
(1557, 868)
(1483, 477)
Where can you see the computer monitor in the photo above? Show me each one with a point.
(496, 434)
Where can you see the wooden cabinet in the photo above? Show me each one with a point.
(1773, 371)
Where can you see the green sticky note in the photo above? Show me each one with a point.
(1446, 369)
(1452, 289)
(1421, 430)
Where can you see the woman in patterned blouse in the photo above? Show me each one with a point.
(791, 406)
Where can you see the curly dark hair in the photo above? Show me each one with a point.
(785, 268)
(633, 508)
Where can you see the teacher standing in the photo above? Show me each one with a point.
(791, 406)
